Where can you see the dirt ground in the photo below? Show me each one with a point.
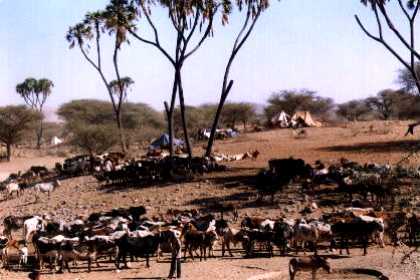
(381, 142)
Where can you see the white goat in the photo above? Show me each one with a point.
(12, 188)
(31, 226)
(23, 256)
(46, 187)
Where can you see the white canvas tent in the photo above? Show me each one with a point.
(281, 119)
(55, 141)
(304, 118)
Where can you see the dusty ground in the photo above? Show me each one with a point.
(364, 142)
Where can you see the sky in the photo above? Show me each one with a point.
(296, 44)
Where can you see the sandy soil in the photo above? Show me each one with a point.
(365, 142)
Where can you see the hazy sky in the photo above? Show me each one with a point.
(313, 44)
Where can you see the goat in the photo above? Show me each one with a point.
(68, 253)
(13, 223)
(231, 236)
(31, 226)
(312, 263)
(12, 188)
(23, 256)
(46, 187)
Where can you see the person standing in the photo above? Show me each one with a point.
(176, 254)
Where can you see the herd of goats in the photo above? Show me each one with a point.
(122, 233)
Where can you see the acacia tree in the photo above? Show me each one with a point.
(407, 80)
(253, 10)
(188, 18)
(409, 9)
(353, 110)
(14, 120)
(35, 93)
(387, 102)
(114, 20)
(238, 112)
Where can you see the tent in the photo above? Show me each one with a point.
(304, 118)
(281, 119)
(163, 142)
(55, 141)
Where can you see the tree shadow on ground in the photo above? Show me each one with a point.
(229, 179)
(117, 187)
(377, 147)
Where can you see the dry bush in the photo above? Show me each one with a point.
(145, 135)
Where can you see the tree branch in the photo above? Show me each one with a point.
(383, 42)
(391, 26)
(404, 10)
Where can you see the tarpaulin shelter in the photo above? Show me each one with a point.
(163, 142)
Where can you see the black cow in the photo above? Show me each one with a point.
(355, 230)
(144, 247)
(252, 236)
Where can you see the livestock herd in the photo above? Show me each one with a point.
(110, 168)
(122, 233)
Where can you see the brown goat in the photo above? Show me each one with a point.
(312, 263)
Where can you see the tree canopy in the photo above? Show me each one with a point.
(353, 110)
(35, 93)
(14, 122)
(291, 101)
(91, 111)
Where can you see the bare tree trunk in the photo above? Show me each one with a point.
(8, 151)
(183, 117)
(39, 135)
(227, 87)
(223, 97)
(170, 116)
(118, 107)
(121, 132)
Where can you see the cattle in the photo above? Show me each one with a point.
(136, 247)
(281, 172)
(39, 170)
(303, 232)
(355, 230)
(195, 239)
(283, 232)
(324, 231)
(413, 228)
(257, 223)
(169, 241)
(231, 236)
(312, 263)
(46, 187)
(252, 236)
(379, 233)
